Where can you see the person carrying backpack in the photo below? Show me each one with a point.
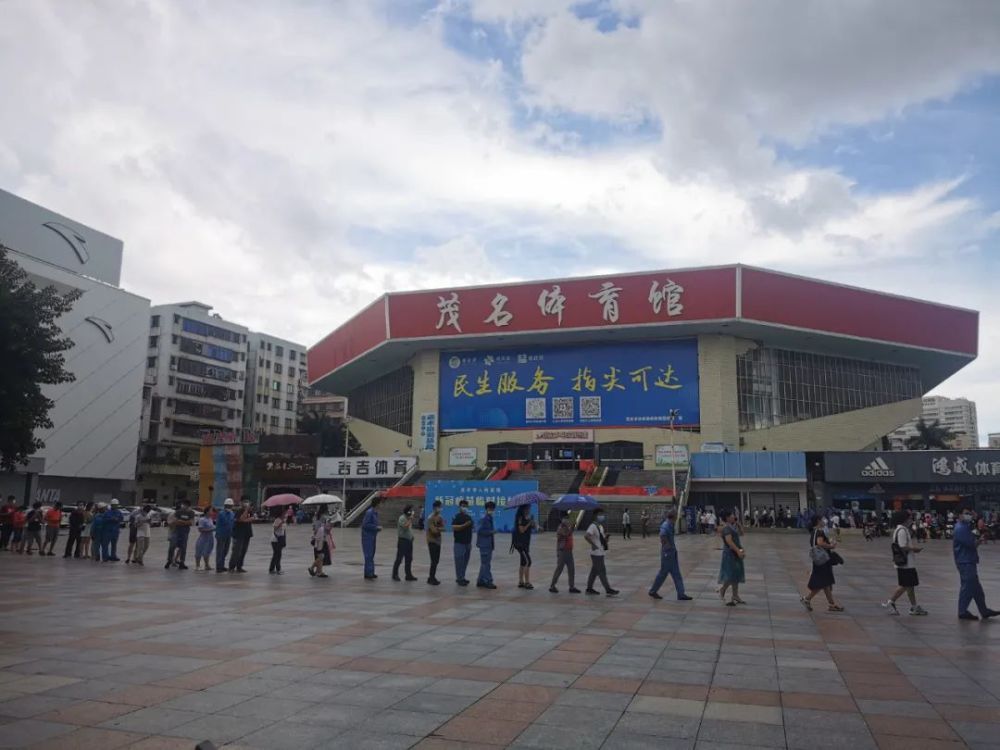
(903, 550)
(33, 527)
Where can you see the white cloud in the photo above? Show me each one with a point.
(288, 163)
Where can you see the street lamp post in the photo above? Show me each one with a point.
(347, 442)
(673, 414)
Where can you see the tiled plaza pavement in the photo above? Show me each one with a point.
(109, 656)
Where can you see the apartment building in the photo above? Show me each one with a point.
(957, 414)
(275, 385)
(196, 371)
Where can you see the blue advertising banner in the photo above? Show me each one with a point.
(477, 492)
(603, 385)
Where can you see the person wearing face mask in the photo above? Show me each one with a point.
(484, 541)
(404, 544)
(597, 537)
(965, 548)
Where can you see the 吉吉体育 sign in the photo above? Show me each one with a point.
(478, 492)
(364, 467)
(603, 385)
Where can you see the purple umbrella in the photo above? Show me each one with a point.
(525, 498)
(575, 502)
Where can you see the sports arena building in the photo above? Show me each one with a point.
(596, 369)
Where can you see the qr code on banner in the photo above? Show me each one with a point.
(534, 408)
(562, 408)
(590, 407)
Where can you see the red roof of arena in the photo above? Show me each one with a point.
(777, 309)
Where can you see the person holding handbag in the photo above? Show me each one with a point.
(731, 571)
(903, 550)
(278, 540)
(322, 542)
(821, 550)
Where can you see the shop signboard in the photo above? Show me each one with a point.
(364, 467)
(913, 467)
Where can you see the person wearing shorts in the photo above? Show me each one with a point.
(903, 550)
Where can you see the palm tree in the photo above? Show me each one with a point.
(930, 437)
(331, 435)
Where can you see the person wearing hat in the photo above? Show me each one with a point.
(223, 534)
(113, 519)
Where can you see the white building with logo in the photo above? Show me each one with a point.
(90, 452)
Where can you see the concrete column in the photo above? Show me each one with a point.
(717, 382)
(425, 400)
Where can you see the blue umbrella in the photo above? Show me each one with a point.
(575, 502)
(525, 498)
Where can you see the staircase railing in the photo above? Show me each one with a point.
(361, 507)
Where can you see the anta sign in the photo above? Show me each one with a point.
(877, 469)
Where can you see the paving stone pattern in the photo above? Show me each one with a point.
(113, 656)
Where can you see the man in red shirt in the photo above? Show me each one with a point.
(53, 517)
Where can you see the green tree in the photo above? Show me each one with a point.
(930, 437)
(331, 435)
(31, 353)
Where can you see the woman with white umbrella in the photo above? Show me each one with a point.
(322, 538)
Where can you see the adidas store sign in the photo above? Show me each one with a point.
(877, 469)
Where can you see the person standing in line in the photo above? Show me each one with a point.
(142, 532)
(731, 572)
(33, 527)
(520, 540)
(322, 542)
(644, 522)
(76, 523)
(171, 523)
(97, 532)
(113, 520)
(369, 531)
(206, 540)
(53, 518)
(821, 578)
(223, 534)
(626, 525)
(132, 536)
(404, 544)
(435, 526)
(279, 518)
(669, 563)
(484, 541)
(461, 529)
(242, 534)
(18, 521)
(183, 521)
(903, 550)
(965, 549)
(598, 540)
(564, 555)
(7, 522)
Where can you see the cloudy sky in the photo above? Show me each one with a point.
(289, 161)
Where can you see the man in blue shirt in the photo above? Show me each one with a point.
(224, 534)
(113, 519)
(964, 545)
(669, 564)
(369, 530)
(484, 541)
